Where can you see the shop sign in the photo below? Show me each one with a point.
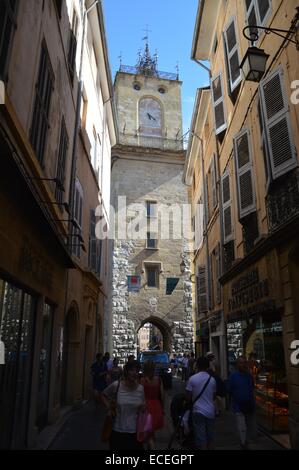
(31, 262)
(249, 295)
(134, 283)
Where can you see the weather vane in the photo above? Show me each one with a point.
(120, 59)
(177, 70)
(147, 31)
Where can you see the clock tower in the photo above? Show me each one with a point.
(147, 170)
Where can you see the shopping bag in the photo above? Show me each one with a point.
(144, 426)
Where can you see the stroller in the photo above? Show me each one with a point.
(178, 408)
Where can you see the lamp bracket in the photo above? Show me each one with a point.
(254, 35)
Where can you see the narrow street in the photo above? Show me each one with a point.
(82, 429)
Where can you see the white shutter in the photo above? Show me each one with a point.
(233, 55)
(202, 290)
(199, 221)
(244, 173)
(218, 104)
(227, 208)
(278, 127)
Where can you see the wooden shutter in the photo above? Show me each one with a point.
(218, 274)
(244, 174)
(214, 182)
(218, 104)
(278, 127)
(99, 256)
(92, 241)
(233, 55)
(227, 208)
(202, 290)
(60, 173)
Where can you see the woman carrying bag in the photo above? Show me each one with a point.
(125, 399)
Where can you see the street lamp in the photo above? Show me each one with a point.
(254, 62)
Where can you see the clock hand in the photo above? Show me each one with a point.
(151, 117)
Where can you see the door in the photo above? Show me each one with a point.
(17, 312)
(45, 367)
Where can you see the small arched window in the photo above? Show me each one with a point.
(150, 117)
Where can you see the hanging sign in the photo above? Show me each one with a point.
(134, 283)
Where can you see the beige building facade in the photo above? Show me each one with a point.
(242, 167)
(56, 158)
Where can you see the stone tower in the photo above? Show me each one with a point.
(147, 170)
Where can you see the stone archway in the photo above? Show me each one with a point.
(71, 342)
(164, 327)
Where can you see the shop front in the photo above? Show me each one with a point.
(253, 313)
(33, 266)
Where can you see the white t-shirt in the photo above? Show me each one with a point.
(128, 404)
(205, 404)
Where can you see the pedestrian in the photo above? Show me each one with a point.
(153, 391)
(126, 398)
(201, 392)
(241, 388)
(185, 362)
(220, 385)
(116, 371)
(191, 364)
(99, 377)
(175, 364)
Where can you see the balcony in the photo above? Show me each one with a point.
(282, 202)
(161, 143)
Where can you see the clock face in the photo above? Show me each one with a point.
(150, 117)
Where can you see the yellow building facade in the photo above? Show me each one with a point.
(242, 173)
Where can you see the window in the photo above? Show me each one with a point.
(78, 209)
(199, 224)
(256, 13)
(95, 149)
(250, 232)
(72, 49)
(150, 117)
(218, 273)
(40, 120)
(151, 208)
(264, 142)
(232, 56)
(228, 255)
(151, 241)
(58, 4)
(60, 173)
(218, 104)
(244, 174)
(152, 275)
(8, 13)
(201, 282)
(95, 246)
(276, 118)
(212, 187)
(227, 208)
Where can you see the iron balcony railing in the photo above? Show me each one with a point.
(282, 202)
(151, 142)
(158, 73)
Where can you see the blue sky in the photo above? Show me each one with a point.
(172, 24)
